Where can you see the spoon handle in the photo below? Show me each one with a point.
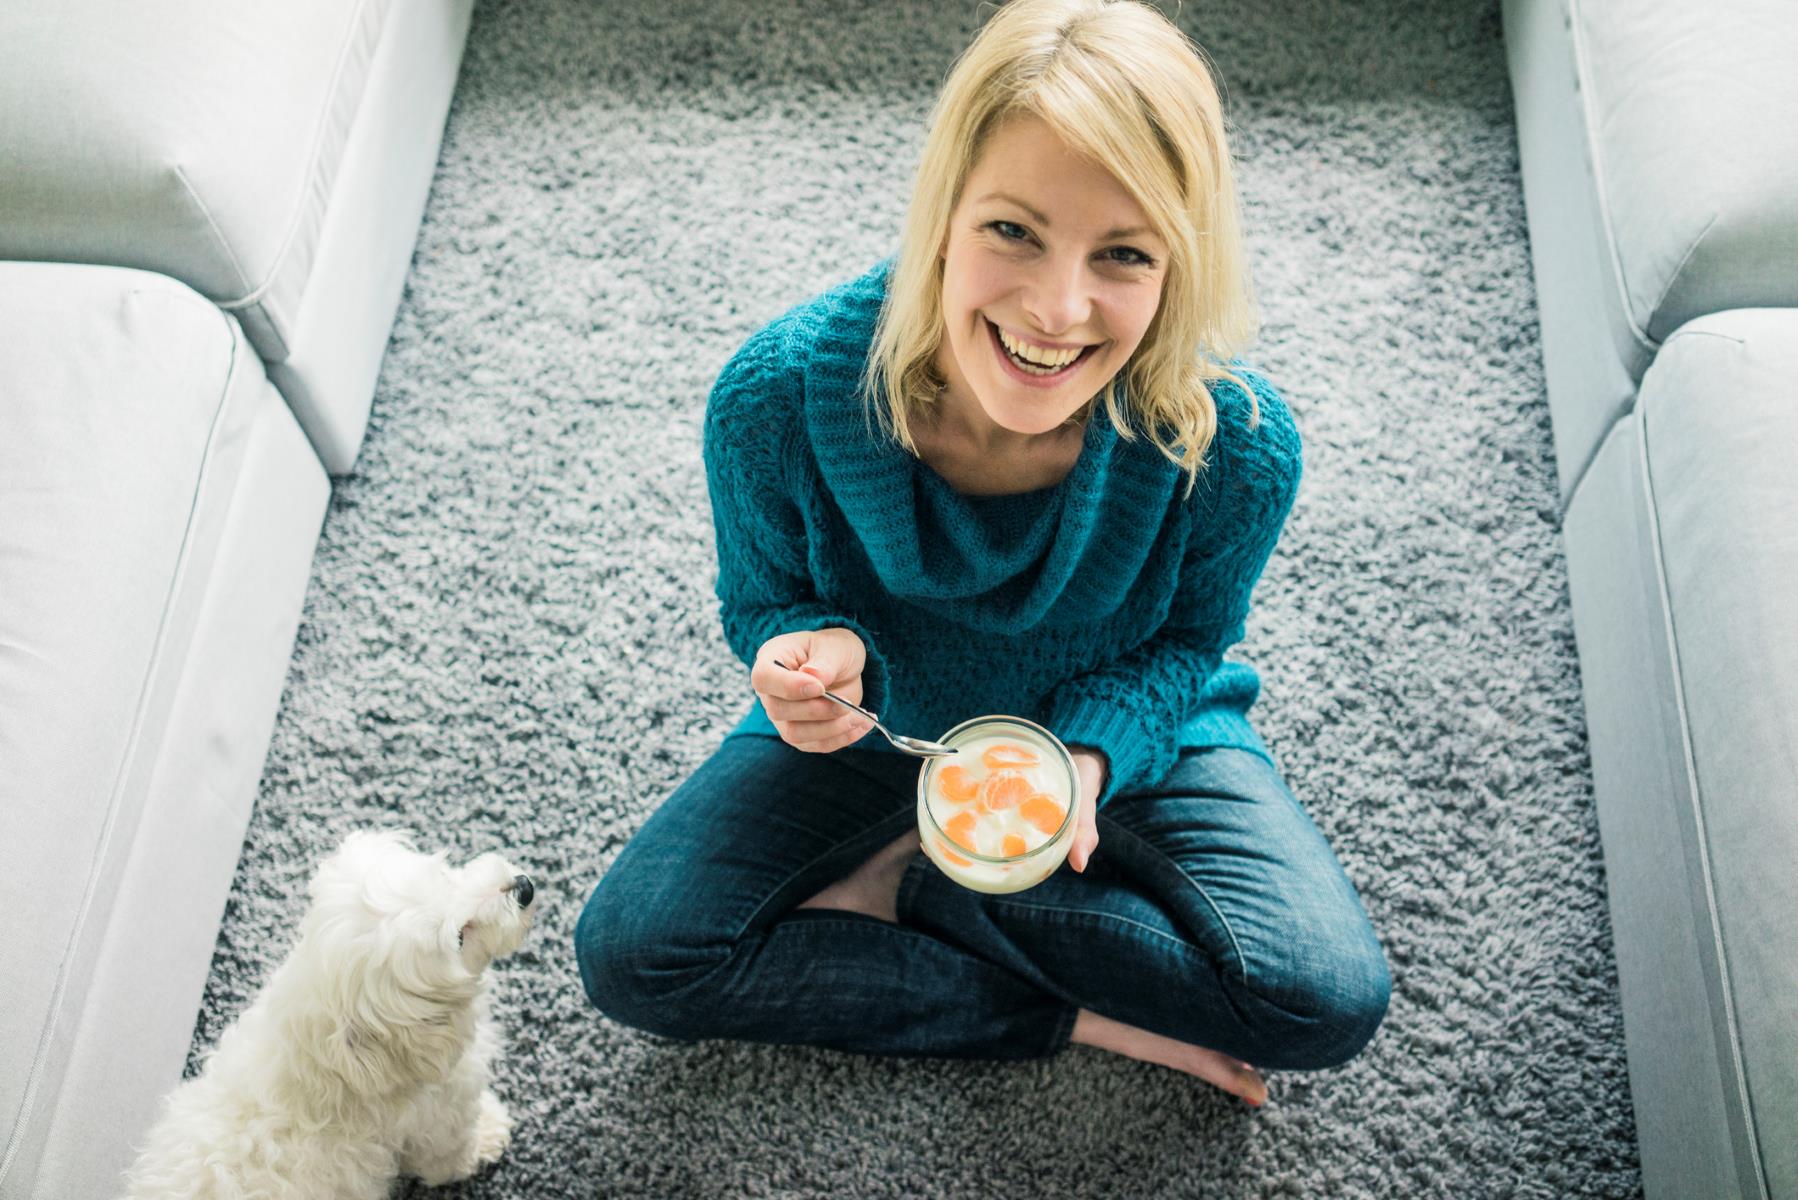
(829, 695)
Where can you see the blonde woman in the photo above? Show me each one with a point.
(1015, 468)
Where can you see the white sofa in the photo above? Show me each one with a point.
(207, 211)
(1659, 146)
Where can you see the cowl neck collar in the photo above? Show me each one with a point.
(995, 563)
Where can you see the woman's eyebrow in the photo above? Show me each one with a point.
(1133, 231)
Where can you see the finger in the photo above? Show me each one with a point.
(821, 737)
(770, 678)
(818, 711)
(858, 729)
(1082, 854)
(829, 660)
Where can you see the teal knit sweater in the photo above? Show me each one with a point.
(1100, 607)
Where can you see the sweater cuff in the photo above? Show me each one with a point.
(1085, 721)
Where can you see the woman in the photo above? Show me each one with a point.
(1007, 471)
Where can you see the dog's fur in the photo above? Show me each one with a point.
(366, 1054)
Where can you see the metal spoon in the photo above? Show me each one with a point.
(910, 745)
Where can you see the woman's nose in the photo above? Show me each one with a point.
(1059, 302)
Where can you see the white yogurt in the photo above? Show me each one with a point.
(997, 817)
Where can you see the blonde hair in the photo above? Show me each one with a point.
(1122, 85)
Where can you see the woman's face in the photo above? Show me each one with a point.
(1048, 247)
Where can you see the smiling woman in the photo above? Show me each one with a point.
(1048, 214)
(1040, 308)
(1072, 496)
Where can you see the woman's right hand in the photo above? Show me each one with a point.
(822, 660)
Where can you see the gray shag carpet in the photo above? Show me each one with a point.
(510, 639)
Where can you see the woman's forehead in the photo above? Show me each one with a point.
(1025, 163)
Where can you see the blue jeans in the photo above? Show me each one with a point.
(1212, 912)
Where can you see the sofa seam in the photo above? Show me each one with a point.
(35, 1076)
(256, 294)
(1684, 332)
(1582, 70)
(1684, 259)
(1737, 1071)
(218, 235)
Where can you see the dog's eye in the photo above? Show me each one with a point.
(460, 934)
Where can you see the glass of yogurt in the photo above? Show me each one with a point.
(998, 816)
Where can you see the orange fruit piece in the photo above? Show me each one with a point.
(1000, 757)
(951, 855)
(1043, 812)
(960, 829)
(1004, 789)
(956, 784)
(1014, 845)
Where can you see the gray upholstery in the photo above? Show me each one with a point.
(1659, 143)
(209, 210)
(273, 158)
(1691, 678)
(144, 462)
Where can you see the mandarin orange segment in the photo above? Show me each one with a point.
(960, 829)
(1004, 789)
(952, 856)
(1008, 755)
(1043, 811)
(956, 783)
(1013, 845)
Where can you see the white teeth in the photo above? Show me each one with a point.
(1053, 359)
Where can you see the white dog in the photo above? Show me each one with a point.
(365, 1056)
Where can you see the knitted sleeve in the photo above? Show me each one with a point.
(1132, 708)
(765, 586)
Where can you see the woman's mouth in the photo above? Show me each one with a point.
(1028, 372)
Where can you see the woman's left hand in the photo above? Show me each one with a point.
(1091, 766)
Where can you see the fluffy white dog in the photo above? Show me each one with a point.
(365, 1056)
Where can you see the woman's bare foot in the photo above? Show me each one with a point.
(873, 887)
(1233, 1075)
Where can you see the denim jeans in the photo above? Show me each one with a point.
(1212, 912)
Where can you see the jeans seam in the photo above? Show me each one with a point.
(1099, 915)
(1063, 1032)
(1242, 962)
(814, 861)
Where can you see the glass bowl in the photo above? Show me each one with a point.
(981, 781)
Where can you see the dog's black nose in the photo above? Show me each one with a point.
(521, 888)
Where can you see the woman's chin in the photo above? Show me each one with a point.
(1028, 424)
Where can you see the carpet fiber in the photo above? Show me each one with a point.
(510, 639)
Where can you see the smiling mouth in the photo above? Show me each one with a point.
(1034, 370)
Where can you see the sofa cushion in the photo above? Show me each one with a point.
(1660, 156)
(1682, 553)
(197, 138)
(1720, 422)
(140, 664)
(1691, 111)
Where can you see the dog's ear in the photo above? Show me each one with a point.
(349, 861)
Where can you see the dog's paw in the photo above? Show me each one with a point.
(492, 1129)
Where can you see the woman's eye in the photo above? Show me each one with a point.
(1001, 227)
(1140, 259)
